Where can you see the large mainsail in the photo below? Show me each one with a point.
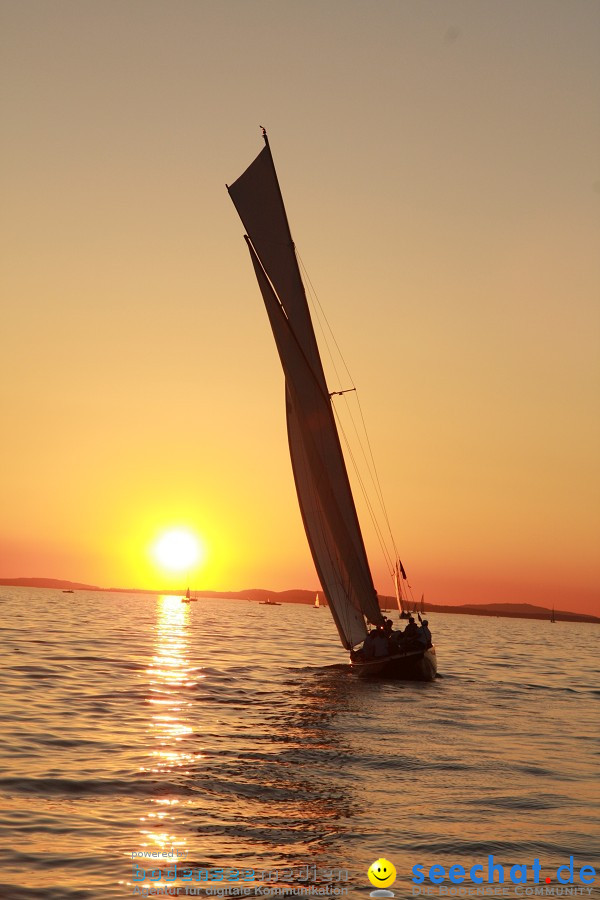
(322, 485)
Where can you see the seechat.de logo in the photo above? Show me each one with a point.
(494, 873)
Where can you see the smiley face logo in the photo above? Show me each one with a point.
(381, 873)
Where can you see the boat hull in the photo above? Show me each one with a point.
(416, 665)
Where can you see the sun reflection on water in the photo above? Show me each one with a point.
(170, 678)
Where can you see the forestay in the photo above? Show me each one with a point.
(322, 485)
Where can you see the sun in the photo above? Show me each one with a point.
(177, 550)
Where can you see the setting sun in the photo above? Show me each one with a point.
(177, 550)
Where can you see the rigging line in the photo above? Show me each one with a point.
(376, 527)
(380, 491)
(362, 484)
(365, 494)
(320, 315)
(341, 355)
(356, 468)
(319, 307)
(372, 468)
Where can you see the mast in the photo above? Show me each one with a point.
(322, 484)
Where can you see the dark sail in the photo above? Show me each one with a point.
(322, 485)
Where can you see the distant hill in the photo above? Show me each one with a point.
(505, 610)
(512, 611)
(258, 594)
(57, 583)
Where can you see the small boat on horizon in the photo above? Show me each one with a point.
(322, 484)
(268, 602)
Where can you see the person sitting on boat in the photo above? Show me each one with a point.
(381, 643)
(412, 629)
(396, 638)
(411, 632)
(425, 634)
(376, 644)
(368, 648)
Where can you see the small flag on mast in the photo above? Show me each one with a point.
(397, 586)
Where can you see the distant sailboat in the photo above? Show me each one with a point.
(553, 617)
(268, 602)
(322, 485)
(317, 604)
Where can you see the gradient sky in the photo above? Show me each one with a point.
(440, 164)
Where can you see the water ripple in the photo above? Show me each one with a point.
(237, 734)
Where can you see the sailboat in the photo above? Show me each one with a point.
(322, 485)
(553, 617)
(317, 603)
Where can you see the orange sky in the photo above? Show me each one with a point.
(440, 167)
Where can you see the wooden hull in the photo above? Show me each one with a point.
(416, 665)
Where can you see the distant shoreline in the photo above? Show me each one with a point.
(501, 610)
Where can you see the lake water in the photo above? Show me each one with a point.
(234, 735)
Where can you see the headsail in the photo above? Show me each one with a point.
(322, 485)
